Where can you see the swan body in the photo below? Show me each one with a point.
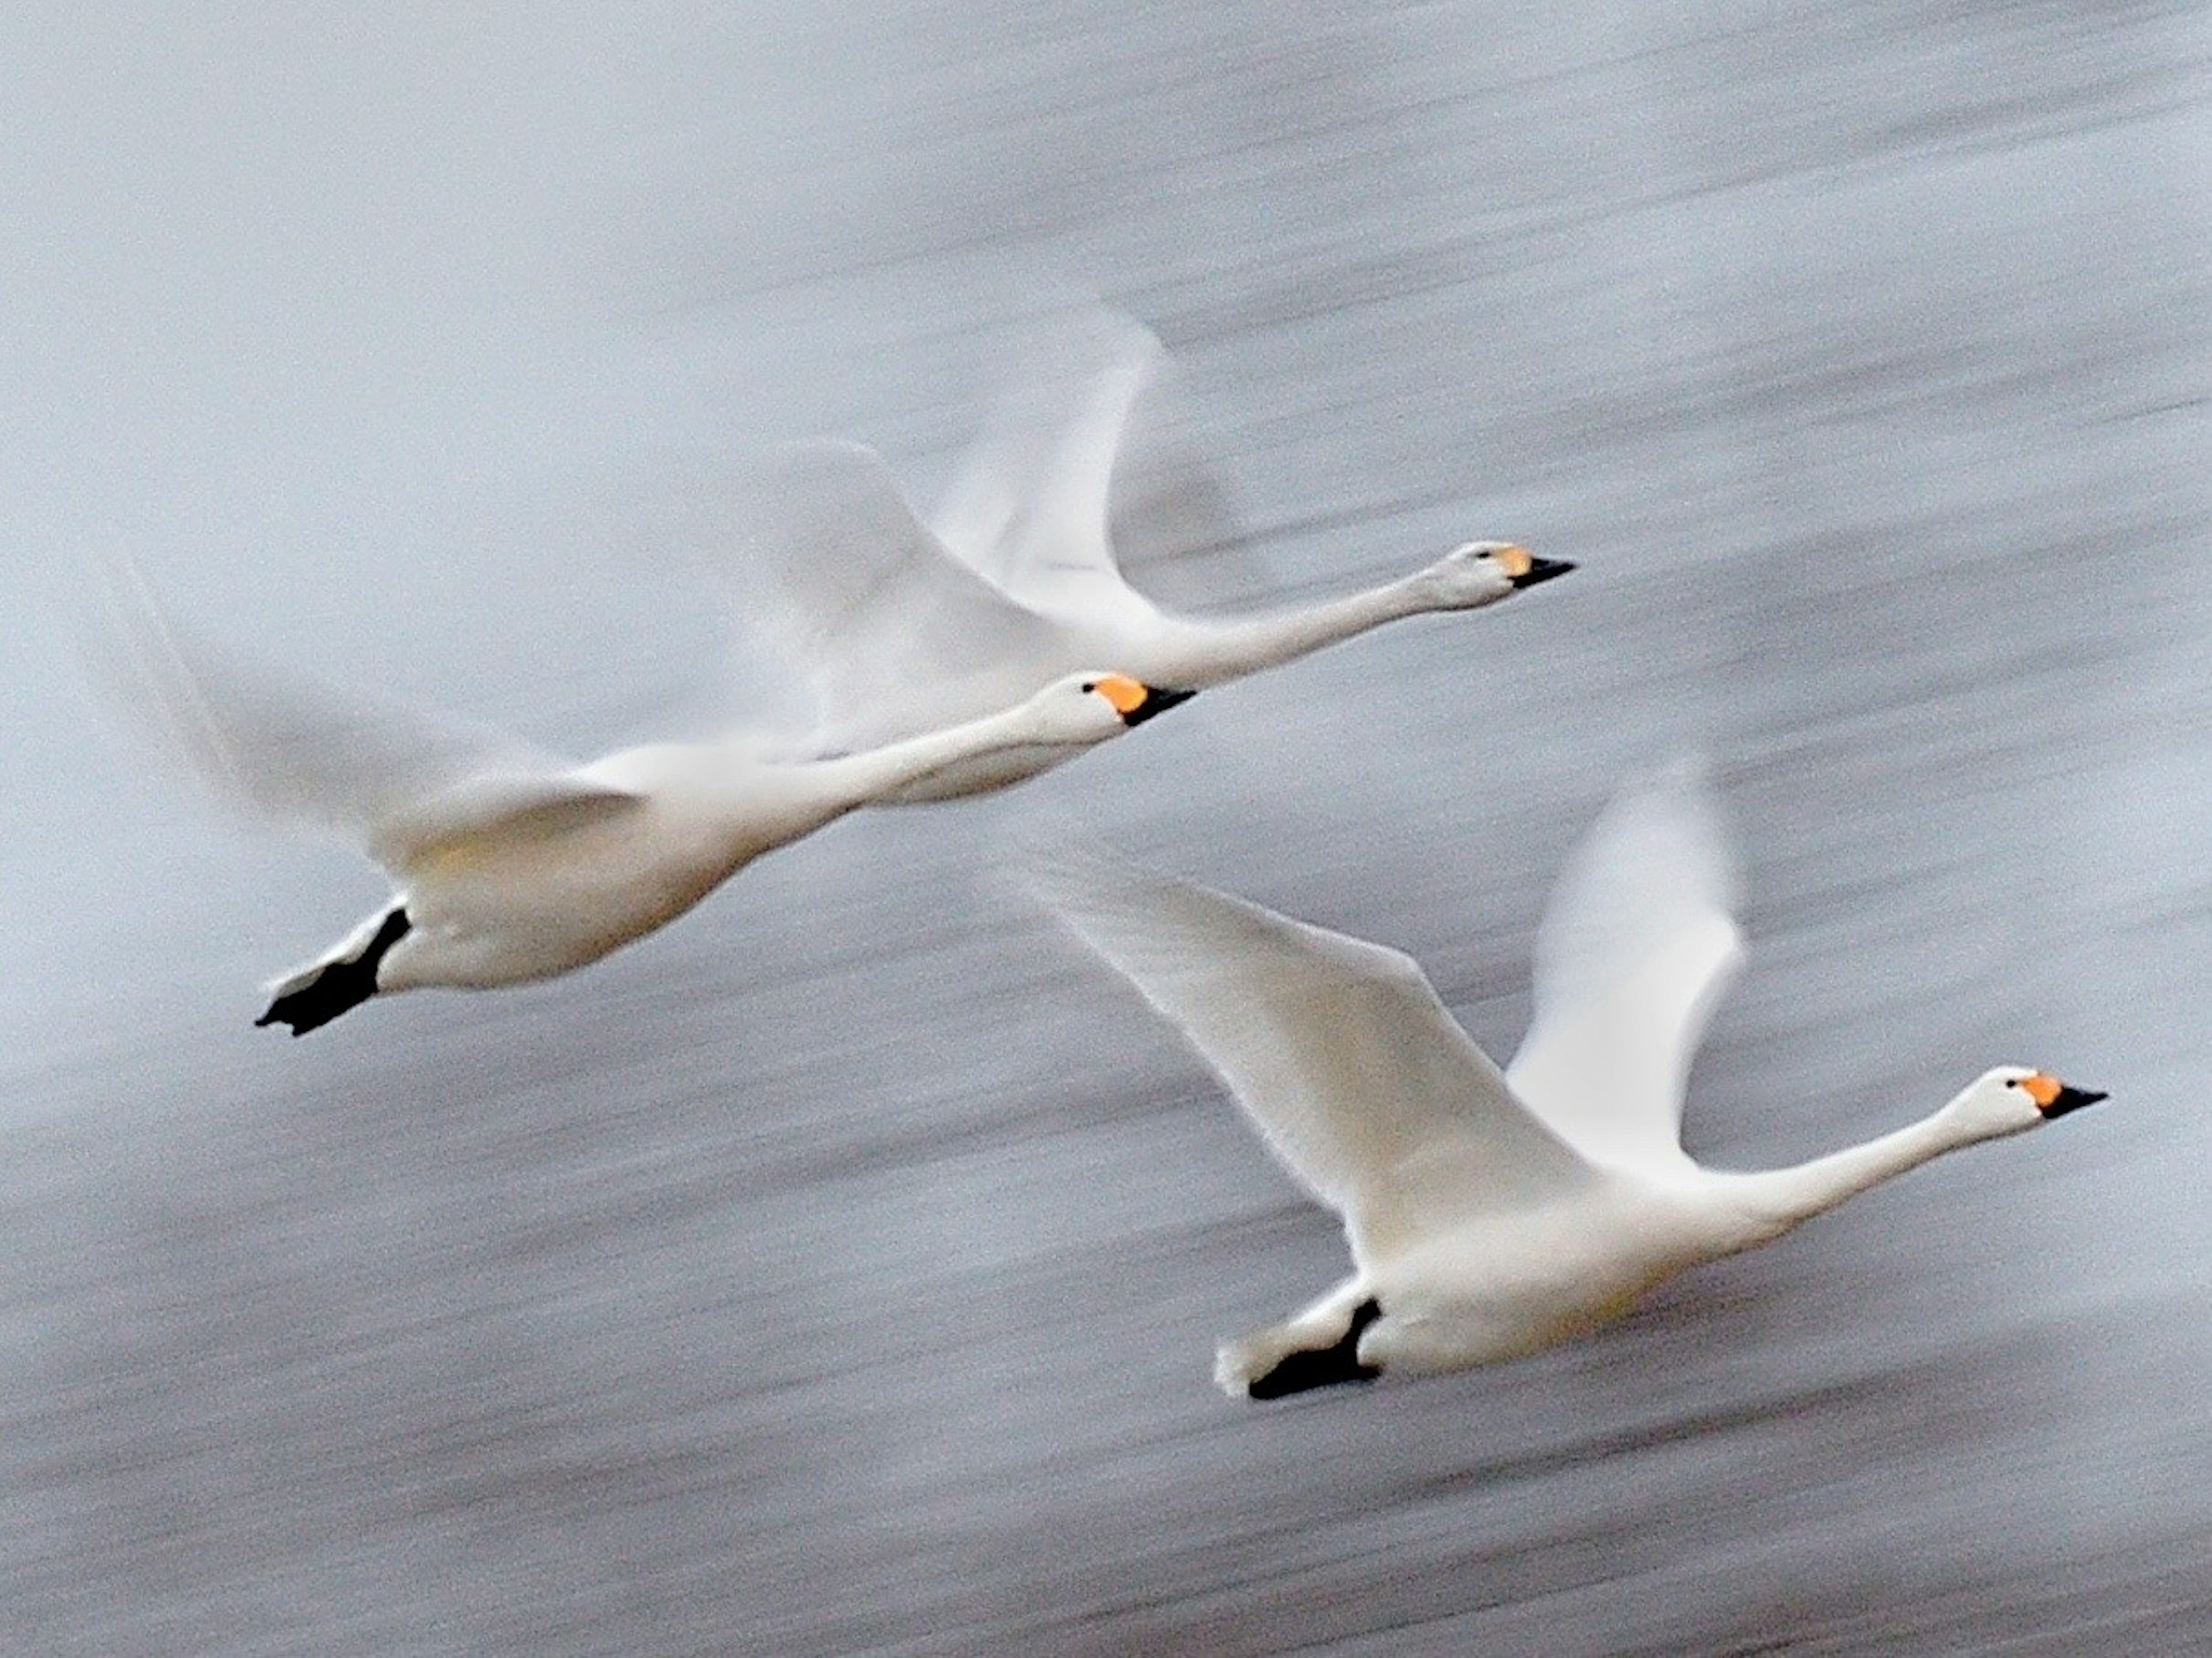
(509, 865)
(902, 626)
(1491, 1215)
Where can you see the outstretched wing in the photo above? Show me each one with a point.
(1639, 942)
(1338, 1050)
(385, 778)
(1074, 486)
(495, 813)
(894, 635)
(1176, 530)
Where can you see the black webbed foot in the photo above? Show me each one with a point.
(337, 986)
(1322, 1366)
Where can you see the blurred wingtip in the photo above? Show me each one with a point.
(801, 481)
(1053, 858)
(1062, 867)
(132, 648)
(1673, 810)
(1657, 864)
(117, 612)
(1080, 332)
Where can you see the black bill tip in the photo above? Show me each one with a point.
(1541, 570)
(1159, 699)
(2071, 1099)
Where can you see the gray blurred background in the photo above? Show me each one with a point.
(838, 1271)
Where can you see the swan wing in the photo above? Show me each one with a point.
(377, 775)
(1177, 531)
(892, 634)
(494, 812)
(1639, 942)
(1028, 509)
(1083, 481)
(1338, 1050)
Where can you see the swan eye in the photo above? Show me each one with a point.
(1089, 685)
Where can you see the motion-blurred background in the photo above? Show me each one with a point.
(838, 1271)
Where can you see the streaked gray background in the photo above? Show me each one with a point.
(838, 1271)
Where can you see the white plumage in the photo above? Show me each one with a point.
(900, 626)
(1490, 1215)
(509, 864)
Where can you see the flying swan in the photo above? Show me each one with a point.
(1490, 1216)
(900, 626)
(510, 865)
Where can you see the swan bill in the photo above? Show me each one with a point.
(1538, 570)
(1136, 702)
(2054, 1098)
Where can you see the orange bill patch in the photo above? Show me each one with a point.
(1515, 561)
(2042, 1088)
(1124, 693)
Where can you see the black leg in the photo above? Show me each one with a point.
(1322, 1367)
(340, 986)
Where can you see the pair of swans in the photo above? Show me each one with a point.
(942, 669)
(1492, 1214)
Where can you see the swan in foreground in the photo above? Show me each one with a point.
(1490, 1216)
(901, 627)
(511, 864)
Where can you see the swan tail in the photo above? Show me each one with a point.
(311, 997)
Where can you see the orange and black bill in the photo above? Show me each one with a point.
(1524, 569)
(2055, 1098)
(1135, 702)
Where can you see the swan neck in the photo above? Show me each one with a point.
(852, 780)
(1785, 1199)
(1250, 643)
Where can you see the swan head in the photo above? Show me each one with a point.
(1484, 572)
(1090, 707)
(2011, 1099)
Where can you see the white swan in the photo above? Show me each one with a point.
(900, 627)
(1490, 1216)
(510, 865)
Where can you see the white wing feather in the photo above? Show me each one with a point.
(899, 628)
(387, 779)
(893, 634)
(1338, 1050)
(1640, 940)
(1083, 483)
(1029, 509)
(1176, 530)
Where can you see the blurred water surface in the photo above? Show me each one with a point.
(838, 1271)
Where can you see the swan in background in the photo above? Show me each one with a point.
(900, 626)
(1490, 1216)
(510, 865)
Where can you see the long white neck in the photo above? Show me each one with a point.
(1244, 645)
(1778, 1201)
(852, 780)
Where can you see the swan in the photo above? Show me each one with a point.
(510, 865)
(901, 626)
(1490, 1216)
